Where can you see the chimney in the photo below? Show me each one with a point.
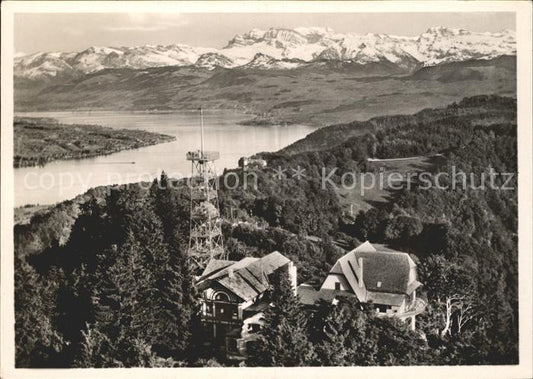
(230, 273)
(293, 276)
(360, 278)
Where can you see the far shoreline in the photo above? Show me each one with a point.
(61, 142)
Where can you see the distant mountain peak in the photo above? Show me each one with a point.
(281, 48)
(260, 60)
(213, 60)
(266, 62)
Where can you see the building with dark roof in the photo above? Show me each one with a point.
(233, 299)
(374, 274)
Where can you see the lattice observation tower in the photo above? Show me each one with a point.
(205, 241)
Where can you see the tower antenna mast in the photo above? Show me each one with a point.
(205, 240)
(202, 129)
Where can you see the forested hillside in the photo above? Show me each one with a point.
(109, 285)
(328, 137)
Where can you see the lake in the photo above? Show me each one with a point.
(62, 180)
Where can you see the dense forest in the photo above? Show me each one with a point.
(104, 281)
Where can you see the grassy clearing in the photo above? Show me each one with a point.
(358, 198)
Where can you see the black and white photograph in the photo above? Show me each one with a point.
(191, 185)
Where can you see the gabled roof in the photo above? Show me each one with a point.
(234, 266)
(349, 268)
(248, 277)
(384, 272)
(215, 265)
(365, 247)
(336, 269)
(269, 263)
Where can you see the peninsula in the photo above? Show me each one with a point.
(38, 141)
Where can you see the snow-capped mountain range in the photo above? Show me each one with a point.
(278, 48)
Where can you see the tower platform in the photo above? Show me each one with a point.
(202, 156)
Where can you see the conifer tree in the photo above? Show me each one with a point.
(331, 336)
(37, 342)
(120, 296)
(363, 337)
(282, 339)
(95, 350)
(177, 296)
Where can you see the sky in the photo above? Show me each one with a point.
(78, 31)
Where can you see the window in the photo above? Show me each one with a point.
(382, 308)
(337, 286)
(209, 309)
(221, 296)
(235, 314)
(254, 328)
